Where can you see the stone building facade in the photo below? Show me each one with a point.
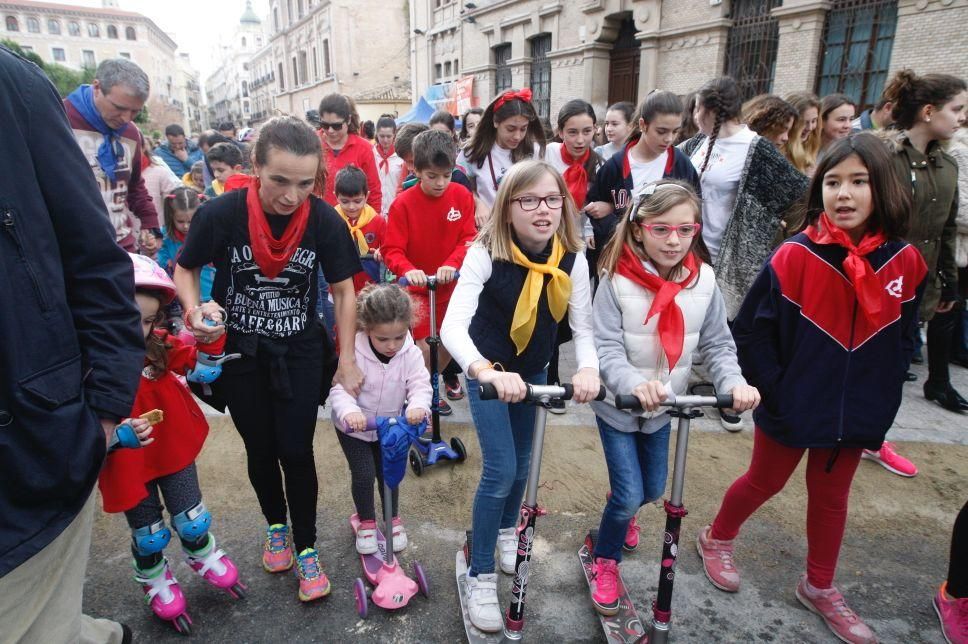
(609, 50)
(227, 89)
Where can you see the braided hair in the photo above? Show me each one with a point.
(721, 97)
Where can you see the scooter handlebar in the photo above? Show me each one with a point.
(720, 401)
(565, 391)
(431, 280)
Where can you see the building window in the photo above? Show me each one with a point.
(502, 71)
(751, 46)
(275, 18)
(243, 41)
(88, 58)
(315, 65)
(59, 55)
(12, 24)
(282, 80)
(289, 13)
(53, 27)
(541, 74)
(295, 72)
(245, 88)
(438, 71)
(857, 42)
(456, 69)
(33, 25)
(112, 32)
(447, 69)
(125, 54)
(93, 30)
(301, 8)
(327, 69)
(73, 28)
(130, 34)
(245, 106)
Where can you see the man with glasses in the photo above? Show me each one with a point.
(101, 116)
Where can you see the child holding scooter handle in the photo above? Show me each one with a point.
(656, 305)
(525, 271)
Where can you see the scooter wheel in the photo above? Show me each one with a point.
(237, 591)
(458, 446)
(421, 576)
(416, 463)
(182, 625)
(362, 604)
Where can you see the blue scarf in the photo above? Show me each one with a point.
(110, 151)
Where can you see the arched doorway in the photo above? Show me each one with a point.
(623, 68)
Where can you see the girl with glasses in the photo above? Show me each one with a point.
(657, 304)
(339, 127)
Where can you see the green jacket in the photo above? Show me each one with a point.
(933, 180)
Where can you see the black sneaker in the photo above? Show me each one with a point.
(453, 389)
(731, 422)
(910, 377)
(443, 408)
(556, 406)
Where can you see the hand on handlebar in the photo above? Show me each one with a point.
(416, 415)
(586, 384)
(355, 421)
(445, 274)
(745, 398)
(416, 277)
(650, 394)
(510, 387)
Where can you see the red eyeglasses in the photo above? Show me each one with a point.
(661, 231)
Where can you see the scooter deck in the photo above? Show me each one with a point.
(625, 626)
(372, 563)
(473, 634)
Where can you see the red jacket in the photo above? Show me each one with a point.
(357, 152)
(178, 438)
(429, 232)
(374, 233)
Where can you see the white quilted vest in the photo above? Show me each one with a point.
(642, 343)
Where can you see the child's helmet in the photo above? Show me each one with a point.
(148, 275)
(246, 134)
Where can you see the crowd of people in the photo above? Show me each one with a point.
(788, 248)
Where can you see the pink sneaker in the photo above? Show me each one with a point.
(605, 586)
(890, 460)
(313, 582)
(833, 608)
(717, 561)
(632, 536)
(277, 551)
(400, 540)
(953, 615)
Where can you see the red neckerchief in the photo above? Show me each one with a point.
(672, 327)
(237, 182)
(859, 270)
(145, 162)
(627, 166)
(576, 177)
(384, 164)
(178, 235)
(269, 253)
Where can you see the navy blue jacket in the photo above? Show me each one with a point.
(178, 166)
(71, 347)
(829, 376)
(614, 185)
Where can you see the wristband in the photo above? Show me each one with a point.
(186, 316)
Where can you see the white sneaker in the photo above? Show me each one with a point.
(399, 535)
(366, 538)
(731, 421)
(507, 546)
(482, 603)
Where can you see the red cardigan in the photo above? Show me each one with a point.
(178, 438)
(358, 152)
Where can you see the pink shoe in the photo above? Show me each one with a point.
(833, 608)
(162, 592)
(215, 567)
(953, 615)
(632, 536)
(277, 551)
(890, 460)
(717, 561)
(313, 582)
(605, 593)
(400, 540)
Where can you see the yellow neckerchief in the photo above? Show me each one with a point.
(559, 290)
(357, 230)
(217, 187)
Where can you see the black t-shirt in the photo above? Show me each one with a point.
(282, 306)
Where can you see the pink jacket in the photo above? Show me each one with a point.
(386, 387)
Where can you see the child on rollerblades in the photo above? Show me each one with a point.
(148, 463)
(826, 333)
(394, 374)
(656, 305)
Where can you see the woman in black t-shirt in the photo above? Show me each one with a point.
(267, 242)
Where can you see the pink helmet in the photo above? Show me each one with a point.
(147, 274)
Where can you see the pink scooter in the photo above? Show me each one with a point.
(392, 588)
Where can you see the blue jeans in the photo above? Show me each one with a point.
(638, 464)
(324, 308)
(504, 432)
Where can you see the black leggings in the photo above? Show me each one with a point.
(941, 330)
(958, 564)
(366, 465)
(181, 492)
(278, 430)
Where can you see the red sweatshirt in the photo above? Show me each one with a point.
(357, 152)
(427, 232)
(178, 438)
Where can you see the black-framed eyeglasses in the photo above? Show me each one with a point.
(325, 125)
(554, 202)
